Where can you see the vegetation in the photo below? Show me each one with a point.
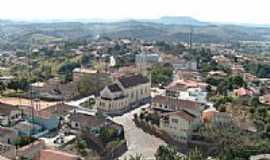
(23, 141)
(260, 70)
(161, 74)
(108, 134)
(91, 84)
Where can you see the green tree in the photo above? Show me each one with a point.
(161, 74)
(167, 153)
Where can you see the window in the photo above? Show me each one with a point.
(175, 120)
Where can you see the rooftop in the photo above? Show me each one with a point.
(49, 154)
(132, 81)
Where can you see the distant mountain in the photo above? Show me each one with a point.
(166, 28)
(179, 20)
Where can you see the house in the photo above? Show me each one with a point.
(147, 59)
(265, 99)
(7, 150)
(221, 59)
(51, 154)
(3, 158)
(8, 135)
(186, 75)
(80, 121)
(49, 118)
(182, 64)
(237, 70)
(124, 94)
(9, 115)
(179, 125)
(78, 73)
(169, 104)
(31, 150)
(213, 117)
(27, 129)
(243, 92)
(220, 74)
(187, 89)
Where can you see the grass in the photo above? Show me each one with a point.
(89, 104)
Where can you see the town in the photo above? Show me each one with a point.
(173, 88)
(124, 98)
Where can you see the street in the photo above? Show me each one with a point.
(138, 141)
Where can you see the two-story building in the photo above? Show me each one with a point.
(179, 125)
(9, 115)
(169, 104)
(124, 94)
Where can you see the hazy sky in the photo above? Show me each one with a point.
(239, 11)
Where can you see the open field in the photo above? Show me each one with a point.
(26, 102)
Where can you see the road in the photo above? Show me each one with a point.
(138, 141)
(77, 104)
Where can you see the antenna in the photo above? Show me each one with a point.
(190, 37)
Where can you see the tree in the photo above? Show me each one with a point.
(108, 134)
(226, 139)
(161, 74)
(2, 87)
(85, 59)
(167, 153)
(194, 155)
(94, 83)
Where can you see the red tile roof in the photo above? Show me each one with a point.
(49, 154)
(176, 104)
(184, 115)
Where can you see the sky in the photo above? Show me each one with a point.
(233, 11)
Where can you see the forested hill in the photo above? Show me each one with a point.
(18, 33)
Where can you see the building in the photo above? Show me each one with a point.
(187, 90)
(78, 73)
(8, 135)
(80, 121)
(9, 115)
(7, 150)
(213, 117)
(50, 154)
(192, 94)
(50, 118)
(124, 94)
(27, 129)
(31, 150)
(143, 58)
(241, 92)
(265, 99)
(169, 104)
(3, 158)
(182, 64)
(179, 125)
